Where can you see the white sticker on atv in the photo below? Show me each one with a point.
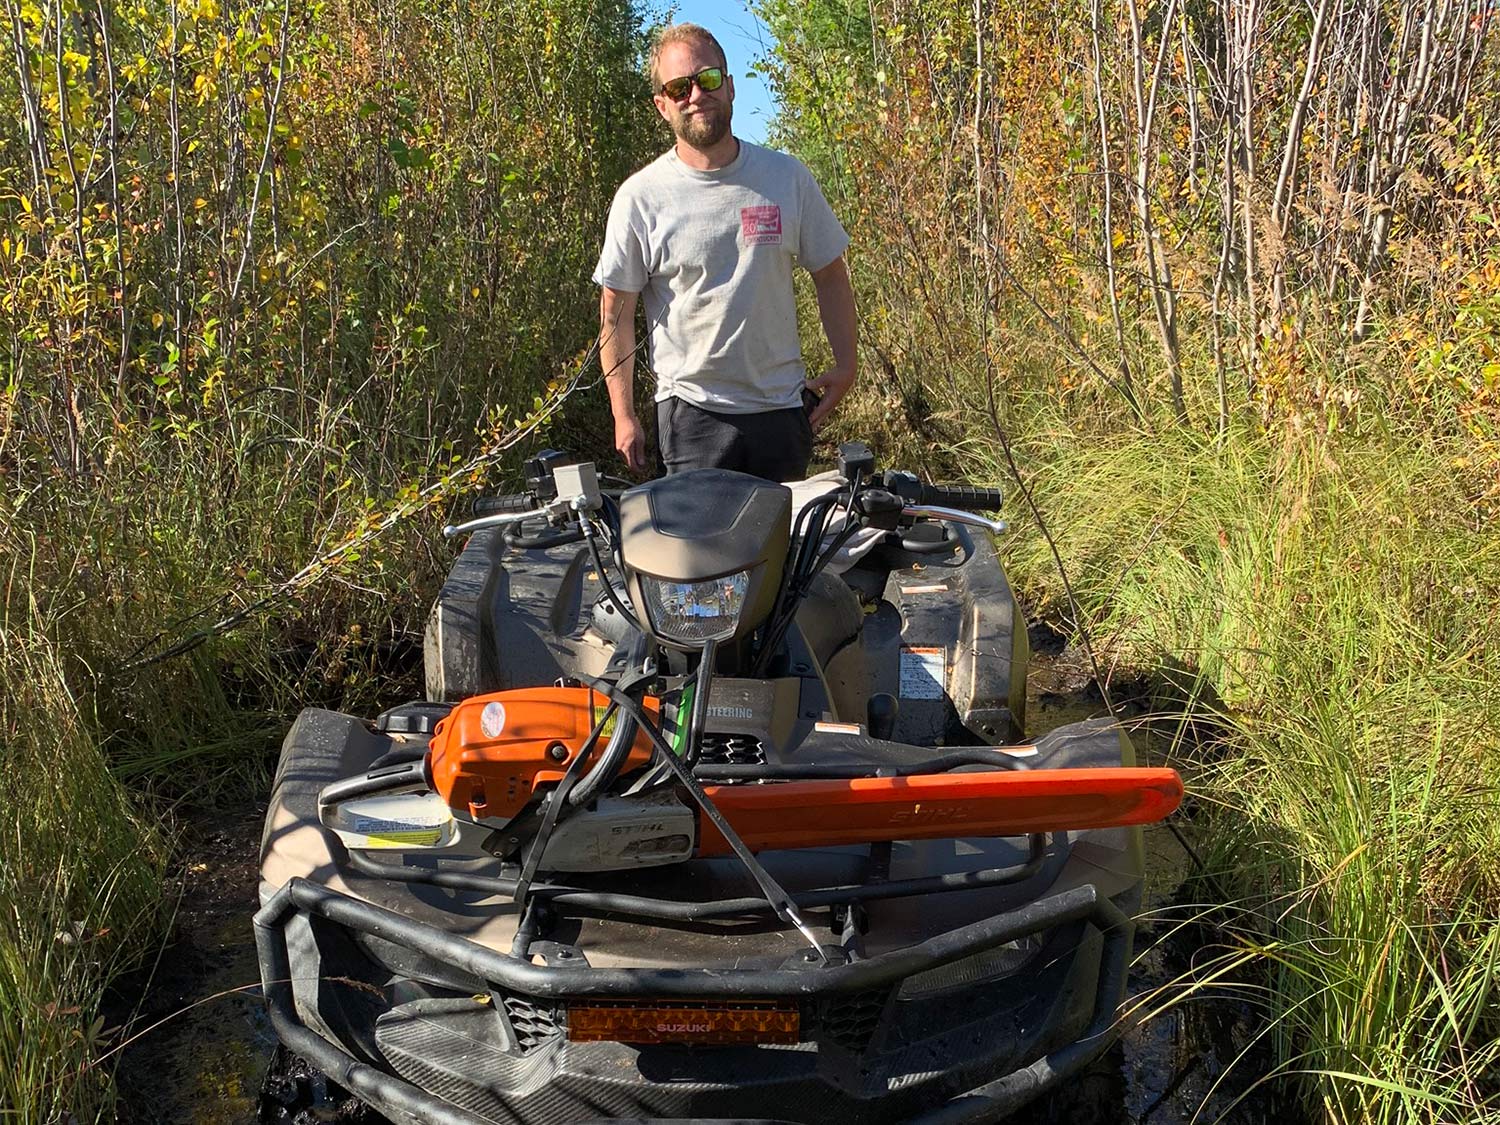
(839, 728)
(924, 672)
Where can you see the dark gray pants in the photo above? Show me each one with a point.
(775, 445)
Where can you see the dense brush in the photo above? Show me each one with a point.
(1324, 605)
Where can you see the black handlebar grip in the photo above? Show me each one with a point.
(960, 496)
(499, 505)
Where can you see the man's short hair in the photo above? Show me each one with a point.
(680, 33)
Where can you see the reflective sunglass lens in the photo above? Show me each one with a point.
(708, 80)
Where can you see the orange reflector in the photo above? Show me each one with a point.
(649, 1022)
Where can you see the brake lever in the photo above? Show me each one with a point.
(505, 519)
(954, 515)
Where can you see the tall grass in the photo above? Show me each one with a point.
(81, 875)
(1328, 601)
(275, 280)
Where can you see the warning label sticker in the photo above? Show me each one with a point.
(924, 672)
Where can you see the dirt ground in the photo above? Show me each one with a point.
(202, 1041)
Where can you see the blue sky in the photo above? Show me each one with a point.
(744, 39)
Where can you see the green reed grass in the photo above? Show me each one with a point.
(1327, 601)
(95, 754)
(81, 874)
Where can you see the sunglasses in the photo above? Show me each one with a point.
(708, 80)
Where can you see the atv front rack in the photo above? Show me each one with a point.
(511, 974)
(568, 899)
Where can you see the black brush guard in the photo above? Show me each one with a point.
(388, 1092)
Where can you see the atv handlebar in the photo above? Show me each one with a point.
(504, 504)
(959, 496)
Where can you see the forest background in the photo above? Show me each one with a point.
(1214, 282)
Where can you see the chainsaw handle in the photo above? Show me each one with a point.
(382, 779)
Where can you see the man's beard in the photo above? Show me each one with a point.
(704, 129)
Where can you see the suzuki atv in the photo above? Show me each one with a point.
(717, 808)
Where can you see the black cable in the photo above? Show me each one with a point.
(799, 586)
(617, 752)
(604, 582)
(611, 522)
(806, 538)
(941, 763)
(555, 802)
(563, 897)
(828, 555)
(701, 688)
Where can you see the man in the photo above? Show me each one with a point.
(709, 232)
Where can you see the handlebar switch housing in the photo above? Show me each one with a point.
(579, 485)
(539, 472)
(905, 485)
(879, 508)
(855, 457)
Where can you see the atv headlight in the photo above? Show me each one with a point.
(693, 612)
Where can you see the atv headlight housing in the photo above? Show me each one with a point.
(693, 612)
(703, 553)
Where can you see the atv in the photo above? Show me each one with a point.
(717, 808)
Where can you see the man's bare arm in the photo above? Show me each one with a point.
(617, 359)
(836, 310)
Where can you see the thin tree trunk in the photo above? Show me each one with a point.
(31, 110)
(112, 170)
(1221, 275)
(65, 131)
(1107, 178)
(1244, 20)
(1281, 197)
(174, 141)
(1195, 117)
(1158, 269)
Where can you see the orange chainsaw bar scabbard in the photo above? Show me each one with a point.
(820, 814)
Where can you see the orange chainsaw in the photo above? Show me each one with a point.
(498, 765)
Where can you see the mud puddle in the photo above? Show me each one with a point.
(199, 1038)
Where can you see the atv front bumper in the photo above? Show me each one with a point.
(879, 1042)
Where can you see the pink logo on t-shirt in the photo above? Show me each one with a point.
(760, 224)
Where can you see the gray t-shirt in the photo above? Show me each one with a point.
(713, 254)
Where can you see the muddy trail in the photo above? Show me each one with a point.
(200, 1039)
(203, 1050)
